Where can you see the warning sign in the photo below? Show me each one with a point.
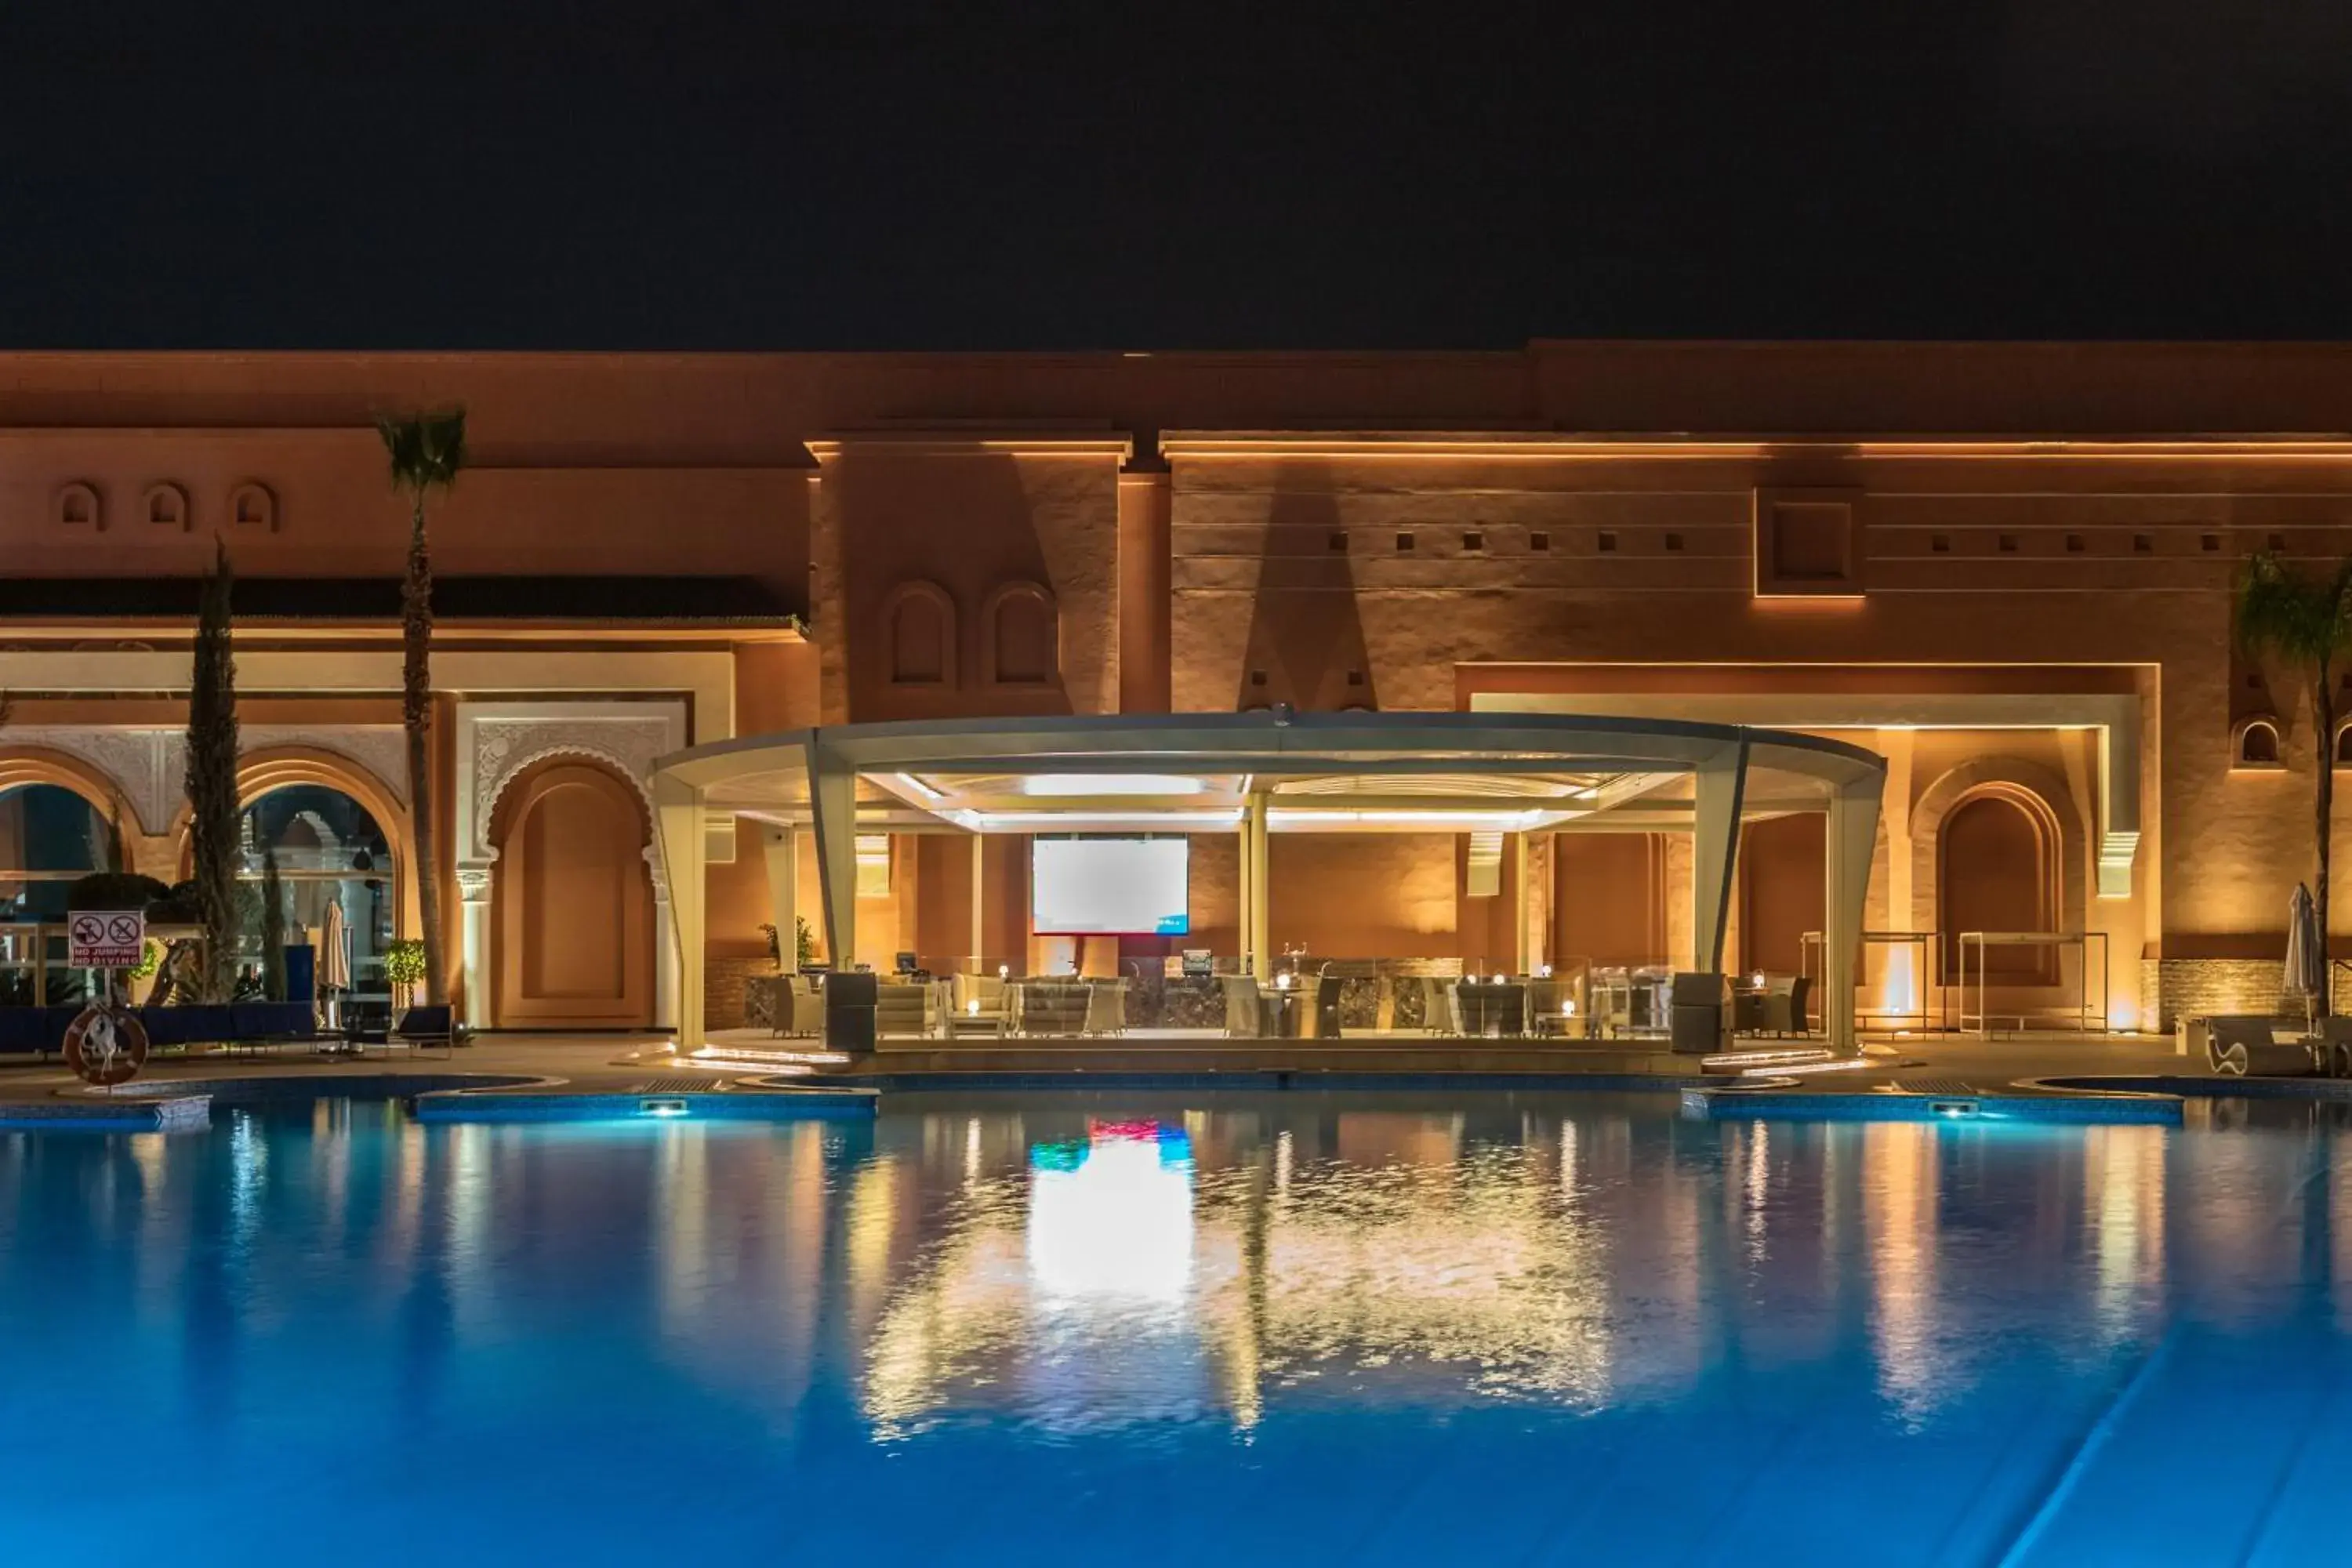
(105, 939)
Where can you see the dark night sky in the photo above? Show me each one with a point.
(653, 174)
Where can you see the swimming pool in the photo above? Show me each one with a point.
(1234, 1327)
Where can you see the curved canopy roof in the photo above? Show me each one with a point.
(1319, 771)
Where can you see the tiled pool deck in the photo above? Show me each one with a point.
(2056, 1076)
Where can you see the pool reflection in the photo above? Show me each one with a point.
(1089, 1264)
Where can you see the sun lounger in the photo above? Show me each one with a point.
(2246, 1045)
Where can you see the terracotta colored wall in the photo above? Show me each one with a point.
(775, 688)
(971, 524)
(1362, 896)
(335, 517)
(2061, 558)
(1784, 892)
(1609, 898)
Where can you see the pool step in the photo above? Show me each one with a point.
(1941, 1087)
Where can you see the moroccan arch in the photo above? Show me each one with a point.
(572, 899)
(2042, 795)
(276, 767)
(38, 765)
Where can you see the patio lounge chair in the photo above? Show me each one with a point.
(2243, 1044)
(420, 1027)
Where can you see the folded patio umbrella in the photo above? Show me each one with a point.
(2307, 949)
(335, 954)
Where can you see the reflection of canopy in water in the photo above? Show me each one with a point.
(1441, 1284)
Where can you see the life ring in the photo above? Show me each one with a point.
(106, 1045)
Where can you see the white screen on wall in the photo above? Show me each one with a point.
(1110, 886)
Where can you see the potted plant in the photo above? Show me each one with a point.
(404, 967)
(804, 944)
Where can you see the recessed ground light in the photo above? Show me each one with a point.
(1608, 541)
(1257, 677)
(1538, 539)
(1474, 540)
(1355, 678)
(1338, 541)
(1404, 542)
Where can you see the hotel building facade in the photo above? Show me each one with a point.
(2006, 569)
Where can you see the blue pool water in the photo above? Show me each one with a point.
(1289, 1328)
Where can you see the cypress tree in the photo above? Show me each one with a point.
(212, 786)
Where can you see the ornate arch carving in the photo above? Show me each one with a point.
(501, 746)
(22, 765)
(517, 784)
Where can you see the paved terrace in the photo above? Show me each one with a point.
(623, 1066)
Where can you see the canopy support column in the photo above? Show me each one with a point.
(1255, 897)
(1722, 786)
(979, 901)
(783, 846)
(678, 808)
(1852, 834)
(1523, 946)
(833, 807)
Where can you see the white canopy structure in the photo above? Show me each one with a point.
(1261, 772)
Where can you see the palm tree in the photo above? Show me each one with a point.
(426, 451)
(2305, 622)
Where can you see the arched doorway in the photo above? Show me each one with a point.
(1998, 872)
(330, 849)
(572, 901)
(51, 836)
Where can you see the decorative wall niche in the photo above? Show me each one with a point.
(1808, 543)
(1021, 637)
(252, 505)
(918, 622)
(2256, 747)
(75, 506)
(165, 505)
